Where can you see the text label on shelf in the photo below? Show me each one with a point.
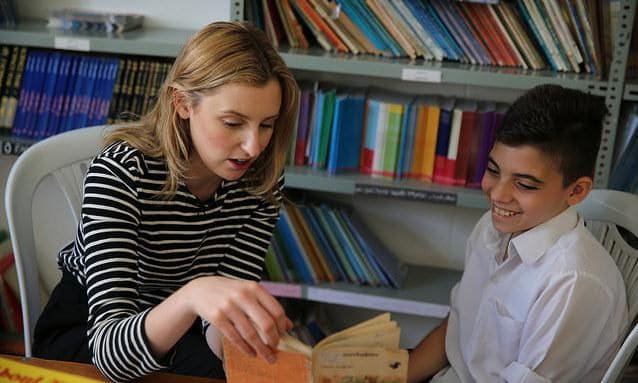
(72, 43)
(13, 148)
(421, 75)
(414, 194)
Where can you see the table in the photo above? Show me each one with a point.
(91, 371)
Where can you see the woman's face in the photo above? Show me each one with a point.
(231, 127)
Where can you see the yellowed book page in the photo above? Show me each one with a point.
(360, 364)
(382, 318)
(386, 338)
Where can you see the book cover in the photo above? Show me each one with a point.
(15, 371)
(468, 126)
(303, 120)
(346, 133)
(443, 140)
(366, 352)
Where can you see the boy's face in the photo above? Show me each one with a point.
(526, 189)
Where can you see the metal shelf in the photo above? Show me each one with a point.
(167, 43)
(318, 180)
(426, 292)
(631, 92)
(13, 146)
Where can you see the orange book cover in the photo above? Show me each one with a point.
(429, 150)
(15, 371)
(310, 12)
(366, 352)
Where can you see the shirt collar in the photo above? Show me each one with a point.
(534, 243)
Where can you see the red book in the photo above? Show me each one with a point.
(468, 125)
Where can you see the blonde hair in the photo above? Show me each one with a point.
(219, 54)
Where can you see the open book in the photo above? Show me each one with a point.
(366, 352)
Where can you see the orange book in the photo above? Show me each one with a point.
(366, 352)
(310, 12)
(429, 149)
(14, 371)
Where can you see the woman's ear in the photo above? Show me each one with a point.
(579, 190)
(180, 105)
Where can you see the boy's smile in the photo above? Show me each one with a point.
(524, 187)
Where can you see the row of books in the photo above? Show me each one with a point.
(323, 243)
(48, 92)
(78, 20)
(564, 35)
(624, 174)
(426, 138)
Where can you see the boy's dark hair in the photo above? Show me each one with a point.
(565, 124)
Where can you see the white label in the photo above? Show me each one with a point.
(422, 75)
(72, 43)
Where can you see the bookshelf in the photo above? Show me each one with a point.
(427, 289)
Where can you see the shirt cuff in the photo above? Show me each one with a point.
(517, 372)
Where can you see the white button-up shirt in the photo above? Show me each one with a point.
(551, 309)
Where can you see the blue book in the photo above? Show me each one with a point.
(68, 94)
(76, 94)
(313, 154)
(539, 39)
(346, 133)
(456, 53)
(370, 136)
(394, 270)
(61, 93)
(33, 106)
(443, 138)
(329, 232)
(408, 153)
(81, 114)
(376, 25)
(466, 33)
(422, 16)
(624, 175)
(323, 243)
(403, 140)
(353, 11)
(294, 248)
(362, 274)
(290, 274)
(106, 92)
(46, 103)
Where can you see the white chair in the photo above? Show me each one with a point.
(43, 198)
(603, 211)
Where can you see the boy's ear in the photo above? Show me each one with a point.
(579, 190)
(180, 106)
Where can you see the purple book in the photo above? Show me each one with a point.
(485, 124)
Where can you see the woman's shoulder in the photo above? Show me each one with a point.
(122, 155)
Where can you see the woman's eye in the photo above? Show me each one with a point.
(268, 125)
(232, 124)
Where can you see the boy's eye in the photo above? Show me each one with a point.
(526, 187)
(491, 170)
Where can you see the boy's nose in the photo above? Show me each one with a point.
(501, 191)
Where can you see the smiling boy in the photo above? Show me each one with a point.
(540, 299)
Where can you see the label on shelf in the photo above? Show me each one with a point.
(421, 75)
(285, 290)
(414, 194)
(72, 43)
(12, 148)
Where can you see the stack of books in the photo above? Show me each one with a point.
(92, 21)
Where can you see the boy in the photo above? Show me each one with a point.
(540, 299)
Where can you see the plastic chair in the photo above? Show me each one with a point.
(43, 198)
(603, 211)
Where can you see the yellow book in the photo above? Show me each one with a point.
(366, 352)
(14, 371)
(429, 147)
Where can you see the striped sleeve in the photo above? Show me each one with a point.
(110, 219)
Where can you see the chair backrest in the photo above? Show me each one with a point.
(604, 211)
(43, 198)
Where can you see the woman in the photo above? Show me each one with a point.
(177, 215)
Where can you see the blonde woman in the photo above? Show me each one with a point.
(177, 215)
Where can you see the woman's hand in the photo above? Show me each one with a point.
(243, 311)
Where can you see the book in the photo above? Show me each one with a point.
(15, 371)
(366, 352)
(93, 21)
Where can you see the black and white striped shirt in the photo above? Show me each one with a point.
(133, 249)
